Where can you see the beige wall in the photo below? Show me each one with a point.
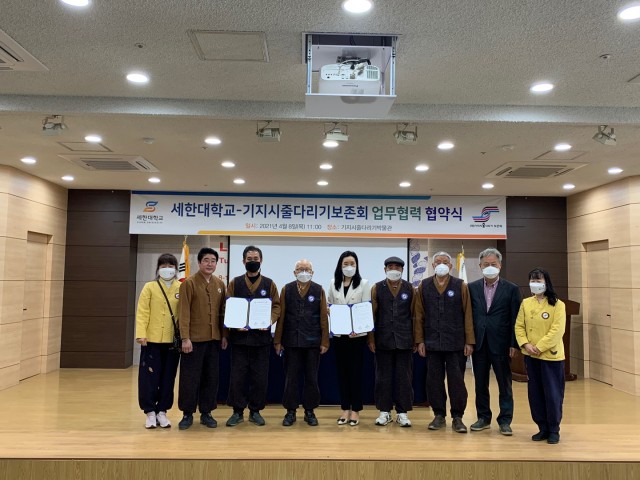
(603, 244)
(30, 206)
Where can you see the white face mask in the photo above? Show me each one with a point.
(349, 271)
(491, 272)
(537, 288)
(394, 275)
(442, 270)
(167, 273)
(304, 277)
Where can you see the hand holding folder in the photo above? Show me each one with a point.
(348, 319)
(247, 313)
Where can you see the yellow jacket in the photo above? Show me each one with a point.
(541, 325)
(153, 320)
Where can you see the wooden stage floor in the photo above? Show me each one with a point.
(91, 417)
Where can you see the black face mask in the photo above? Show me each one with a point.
(252, 267)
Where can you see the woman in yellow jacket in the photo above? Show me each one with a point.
(154, 331)
(539, 329)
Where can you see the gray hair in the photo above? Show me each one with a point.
(490, 251)
(303, 260)
(441, 254)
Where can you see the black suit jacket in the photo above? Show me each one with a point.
(495, 327)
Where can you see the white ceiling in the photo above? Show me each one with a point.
(463, 72)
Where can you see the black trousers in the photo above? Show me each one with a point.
(349, 362)
(546, 392)
(394, 378)
(483, 361)
(249, 377)
(157, 377)
(452, 364)
(199, 377)
(305, 362)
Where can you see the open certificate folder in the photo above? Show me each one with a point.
(347, 319)
(245, 312)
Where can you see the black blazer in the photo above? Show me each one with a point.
(495, 327)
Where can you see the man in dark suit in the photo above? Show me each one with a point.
(495, 303)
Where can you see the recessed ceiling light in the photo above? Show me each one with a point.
(323, 183)
(326, 166)
(154, 180)
(28, 160)
(330, 144)
(422, 167)
(541, 87)
(615, 170)
(487, 186)
(357, 6)
(239, 181)
(93, 138)
(568, 186)
(405, 184)
(67, 178)
(228, 164)
(630, 12)
(138, 77)
(562, 147)
(76, 3)
(445, 145)
(212, 141)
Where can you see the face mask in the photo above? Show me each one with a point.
(167, 273)
(394, 275)
(304, 277)
(491, 272)
(252, 267)
(349, 271)
(537, 287)
(442, 270)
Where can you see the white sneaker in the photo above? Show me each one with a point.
(403, 420)
(383, 419)
(151, 420)
(162, 419)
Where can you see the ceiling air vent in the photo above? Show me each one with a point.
(533, 170)
(112, 163)
(14, 58)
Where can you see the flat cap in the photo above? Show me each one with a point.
(396, 260)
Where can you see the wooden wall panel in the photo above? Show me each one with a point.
(96, 298)
(122, 359)
(115, 269)
(536, 236)
(107, 229)
(99, 295)
(90, 333)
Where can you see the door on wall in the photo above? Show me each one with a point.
(598, 310)
(33, 304)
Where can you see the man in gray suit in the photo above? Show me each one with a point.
(495, 303)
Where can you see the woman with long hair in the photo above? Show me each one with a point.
(348, 288)
(539, 329)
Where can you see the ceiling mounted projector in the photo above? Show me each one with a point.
(350, 77)
(404, 135)
(604, 137)
(268, 133)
